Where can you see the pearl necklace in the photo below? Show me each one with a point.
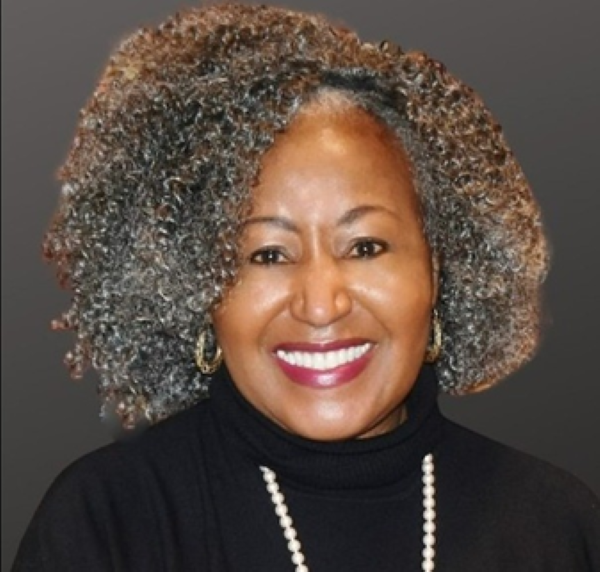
(290, 534)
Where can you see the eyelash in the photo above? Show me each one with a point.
(261, 257)
(375, 248)
(362, 249)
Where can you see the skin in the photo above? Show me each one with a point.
(333, 251)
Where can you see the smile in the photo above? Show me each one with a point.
(325, 367)
(324, 361)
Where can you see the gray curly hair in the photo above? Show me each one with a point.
(158, 183)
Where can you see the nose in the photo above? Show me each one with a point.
(321, 293)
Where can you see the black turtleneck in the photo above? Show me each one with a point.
(189, 495)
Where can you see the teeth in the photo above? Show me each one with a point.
(323, 361)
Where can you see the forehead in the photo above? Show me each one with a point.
(343, 153)
(340, 124)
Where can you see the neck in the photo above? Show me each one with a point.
(379, 461)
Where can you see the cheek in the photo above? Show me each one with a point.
(397, 290)
(243, 317)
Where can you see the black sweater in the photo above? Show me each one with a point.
(188, 495)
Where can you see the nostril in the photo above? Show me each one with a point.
(321, 299)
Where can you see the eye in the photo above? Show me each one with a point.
(267, 257)
(368, 248)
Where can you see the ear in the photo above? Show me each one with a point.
(435, 278)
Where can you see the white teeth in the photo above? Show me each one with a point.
(323, 361)
(331, 358)
(345, 355)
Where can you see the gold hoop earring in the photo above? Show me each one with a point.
(204, 365)
(435, 347)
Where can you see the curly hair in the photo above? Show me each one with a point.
(158, 182)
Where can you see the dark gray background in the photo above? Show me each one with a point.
(534, 62)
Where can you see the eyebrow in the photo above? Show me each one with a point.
(357, 213)
(347, 219)
(278, 221)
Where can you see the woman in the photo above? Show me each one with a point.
(316, 233)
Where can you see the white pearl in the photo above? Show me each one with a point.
(290, 533)
(428, 540)
(285, 521)
(268, 475)
(429, 514)
(301, 568)
(428, 502)
(278, 498)
(298, 558)
(428, 553)
(428, 491)
(281, 510)
(272, 487)
(428, 566)
(429, 527)
(428, 479)
(294, 545)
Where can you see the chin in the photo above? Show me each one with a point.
(327, 434)
(323, 430)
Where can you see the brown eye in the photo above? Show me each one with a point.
(368, 249)
(267, 257)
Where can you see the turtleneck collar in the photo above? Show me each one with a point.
(361, 464)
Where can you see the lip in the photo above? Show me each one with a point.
(329, 378)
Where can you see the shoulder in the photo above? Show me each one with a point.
(154, 451)
(130, 471)
(495, 464)
(533, 507)
(103, 509)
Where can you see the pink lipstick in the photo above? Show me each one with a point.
(324, 365)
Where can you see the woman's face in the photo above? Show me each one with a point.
(326, 327)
